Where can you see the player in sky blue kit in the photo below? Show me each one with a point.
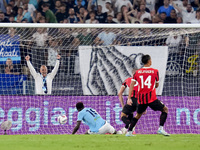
(91, 118)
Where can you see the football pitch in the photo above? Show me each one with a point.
(100, 142)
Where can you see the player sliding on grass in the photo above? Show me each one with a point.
(91, 118)
(148, 80)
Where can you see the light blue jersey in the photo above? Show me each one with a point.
(91, 118)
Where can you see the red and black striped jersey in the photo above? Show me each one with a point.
(127, 83)
(146, 78)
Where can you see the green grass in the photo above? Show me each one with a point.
(100, 142)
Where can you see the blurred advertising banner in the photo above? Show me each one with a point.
(38, 114)
(103, 69)
(9, 48)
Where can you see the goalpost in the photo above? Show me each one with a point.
(95, 60)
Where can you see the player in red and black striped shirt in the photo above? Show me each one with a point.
(148, 80)
(127, 111)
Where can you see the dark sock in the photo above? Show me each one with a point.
(130, 117)
(126, 121)
(133, 123)
(163, 118)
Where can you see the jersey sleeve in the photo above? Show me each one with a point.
(135, 76)
(80, 116)
(55, 69)
(32, 70)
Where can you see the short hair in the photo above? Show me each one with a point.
(163, 13)
(42, 18)
(21, 8)
(137, 22)
(63, 5)
(46, 5)
(92, 12)
(79, 105)
(145, 59)
(146, 20)
(9, 5)
(9, 59)
(108, 3)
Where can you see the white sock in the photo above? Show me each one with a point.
(161, 128)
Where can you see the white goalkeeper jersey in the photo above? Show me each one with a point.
(39, 79)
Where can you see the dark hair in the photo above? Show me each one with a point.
(45, 5)
(12, 15)
(9, 5)
(9, 59)
(92, 12)
(63, 5)
(146, 20)
(137, 22)
(145, 59)
(79, 106)
(164, 13)
(21, 8)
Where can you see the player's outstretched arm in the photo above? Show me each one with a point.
(55, 69)
(76, 127)
(30, 66)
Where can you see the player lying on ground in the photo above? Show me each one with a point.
(148, 80)
(91, 118)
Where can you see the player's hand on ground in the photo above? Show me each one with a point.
(129, 102)
(27, 58)
(58, 57)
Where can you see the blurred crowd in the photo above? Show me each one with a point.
(44, 44)
(100, 11)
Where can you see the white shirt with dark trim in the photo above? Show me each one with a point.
(39, 79)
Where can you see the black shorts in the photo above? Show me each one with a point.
(130, 109)
(156, 105)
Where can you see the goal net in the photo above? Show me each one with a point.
(95, 60)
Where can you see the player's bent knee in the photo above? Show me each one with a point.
(137, 116)
(125, 120)
(123, 115)
(165, 109)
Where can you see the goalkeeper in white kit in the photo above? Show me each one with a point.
(43, 80)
